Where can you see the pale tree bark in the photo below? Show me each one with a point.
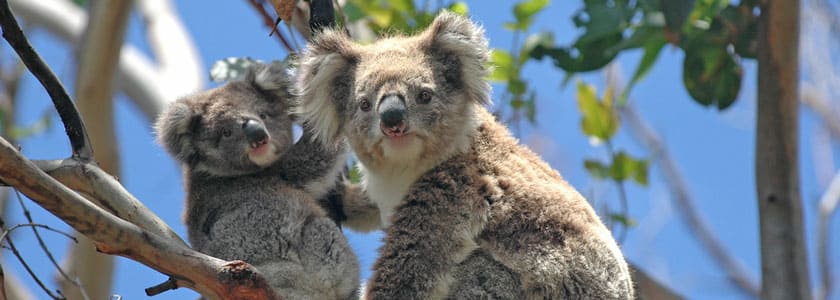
(784, 266)
(128, 229)
(97, 60)
(149, 84)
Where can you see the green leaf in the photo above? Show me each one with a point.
(459, 7)
(502, 63)
(652, 49)
(712, 75)
(355, 173)
(542, 39)
(517, 87)
(406, 6)
(599, 120)
(625, 167)
(596, 169)
(531, 107)
(676, 13)
(581, 57)
(624, 220)
(353, 12)
(524, 10)
(602, 18)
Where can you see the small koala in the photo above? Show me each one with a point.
(251, 191)
(460, 200)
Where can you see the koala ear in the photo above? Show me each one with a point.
(324, 84)
(175, 127)
(455, 36)
(274, 78)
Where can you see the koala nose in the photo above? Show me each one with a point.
(255, 133)
(392, 111)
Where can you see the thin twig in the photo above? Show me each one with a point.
(23, 261)
(622, 197)
(47, 251)
(270, 23)
(73, 124)
(733, 268)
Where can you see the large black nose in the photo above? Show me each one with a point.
(255, 132)
(392, 111)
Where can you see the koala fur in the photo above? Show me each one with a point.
(251, 191)
(460, 200)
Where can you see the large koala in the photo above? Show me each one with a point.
(459, 197)
(251, 191)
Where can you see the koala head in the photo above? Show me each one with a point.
(238, 128)
(401, 99)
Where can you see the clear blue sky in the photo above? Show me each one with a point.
(714, 151)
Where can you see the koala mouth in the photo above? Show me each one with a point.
(395, 131)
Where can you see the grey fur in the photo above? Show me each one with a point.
(462, 202)
(260, 207)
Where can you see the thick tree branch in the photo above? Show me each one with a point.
(684, 202)
(108, 194)
(784, 264)
(73, 125)
(207, 275)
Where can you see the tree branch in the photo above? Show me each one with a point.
(73, 125)
(784, 264)
(98, 56)
(733, 268)
(205, 274)
(827, 207)
(146, 84)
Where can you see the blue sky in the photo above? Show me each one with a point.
(714, 151)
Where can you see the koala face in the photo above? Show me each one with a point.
(399, 99)
(238, 128)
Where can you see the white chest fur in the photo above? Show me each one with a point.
(387, 190)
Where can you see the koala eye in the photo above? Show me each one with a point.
(364, 105)
(226, 132)
(263, 116)
(424, 97)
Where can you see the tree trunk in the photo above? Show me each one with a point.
(784, 266)
(97, 60)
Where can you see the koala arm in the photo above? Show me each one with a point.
(360, 213)
(431, 232)
(312, 166)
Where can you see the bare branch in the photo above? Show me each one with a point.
(817, 103)
(733, 268)
(108, 194)
(827, 207)
(648, 288)
(179, 68)
(26, 265)
(73, 125)
(784, 263)
(205, 274)
(98, 56)
(270, 23)
(44, 247)
(137, 76)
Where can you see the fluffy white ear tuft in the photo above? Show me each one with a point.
(270, 77)
(175, 126)
(321, 97)
(457, 36)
